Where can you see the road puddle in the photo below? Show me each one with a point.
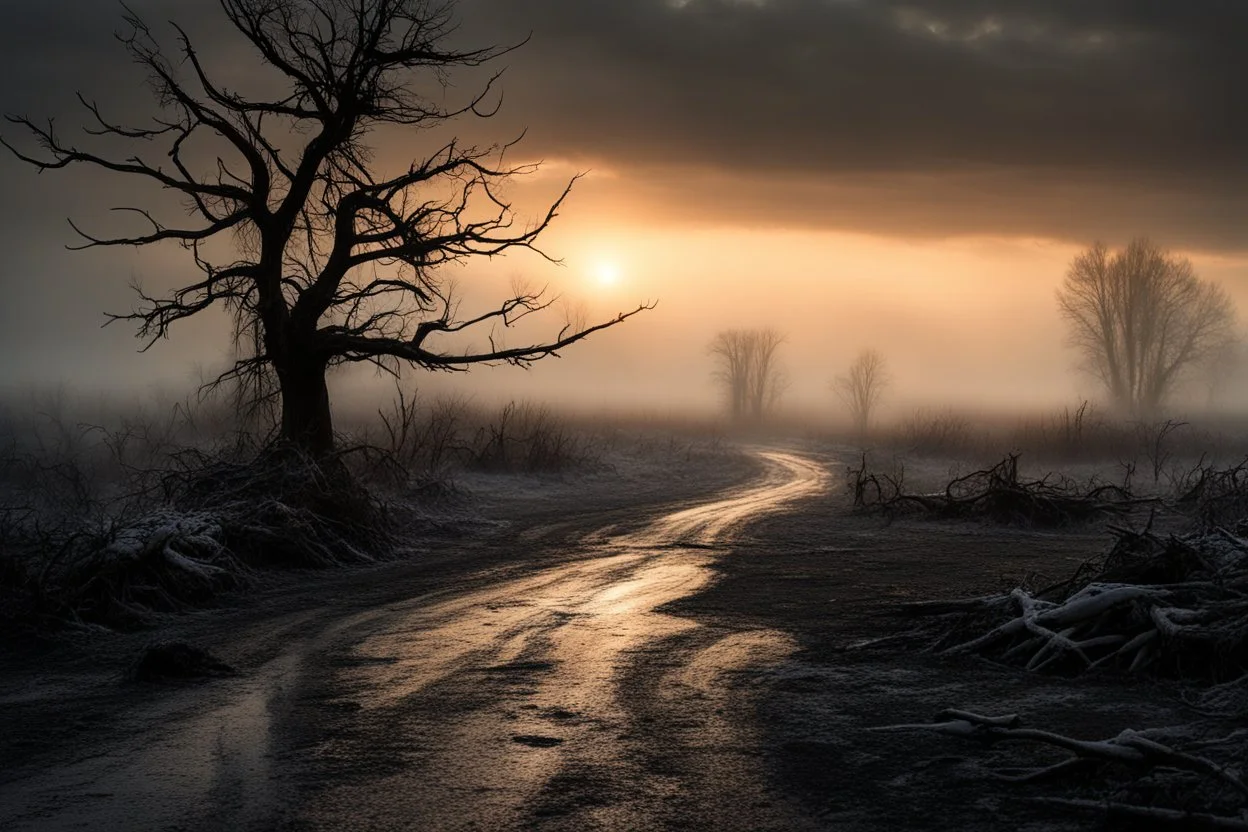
(586, 613)
(492, 699)
(181, 757)
(557, 642)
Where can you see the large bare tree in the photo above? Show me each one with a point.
(862, 387)
(749, 370)
(321, 257)
(1141, 318)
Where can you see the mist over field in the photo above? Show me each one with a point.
(845, 216)
(988, 336)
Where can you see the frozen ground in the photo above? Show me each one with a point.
(659, 645)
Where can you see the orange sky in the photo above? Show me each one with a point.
(963, 320)
(911, 177)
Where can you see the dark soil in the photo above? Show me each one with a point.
(175, 661)
(738, 706)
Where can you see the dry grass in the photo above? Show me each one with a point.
(1146, 455)
(995, 494)
(425, 440)
(109, 516)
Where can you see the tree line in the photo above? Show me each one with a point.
(322, 258)
(1140, 319)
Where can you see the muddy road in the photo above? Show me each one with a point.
(652, 660)
(563, 695)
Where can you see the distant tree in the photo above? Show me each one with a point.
(1142, 318)
(862, 387)
(1224, 370)
(731, 351)
(767, 382)
(322, 256)
(749, 370)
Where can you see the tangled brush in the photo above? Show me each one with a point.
(995, 495)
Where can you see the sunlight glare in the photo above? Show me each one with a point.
(606, 273)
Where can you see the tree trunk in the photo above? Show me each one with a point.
(307, 422)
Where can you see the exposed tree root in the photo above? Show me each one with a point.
(1157, 770)
(995, 495)
(285, 508)
(1152, 814)
(1129, 748)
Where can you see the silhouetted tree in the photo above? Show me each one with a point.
(1141, 317)
(731, 350)
(862, 387)
(749, 370)
(320, 255)
(1224, 370)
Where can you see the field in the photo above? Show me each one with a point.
(666, 629)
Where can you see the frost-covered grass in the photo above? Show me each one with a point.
(1154, 449)
(433, 437)
(110, 515)
(185, 533)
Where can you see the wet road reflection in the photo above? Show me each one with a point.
(566, 698)
(537, 663)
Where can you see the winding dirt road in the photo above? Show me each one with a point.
(564, 698)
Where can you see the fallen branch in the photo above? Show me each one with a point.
(1129, 748)
(1175, 606)
(1178, 817)
(996, 495)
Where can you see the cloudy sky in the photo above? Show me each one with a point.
(911, 176)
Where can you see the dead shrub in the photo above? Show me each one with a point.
(937, 432)
(524, 438)
(994, 495)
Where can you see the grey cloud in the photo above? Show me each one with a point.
(1125, 101)
(1110, 94)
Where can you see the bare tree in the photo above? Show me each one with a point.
(731, 351)
(862, 387)
(1223, 370)
(321, 257)
(1142, 318)
(767, 382)
(749, 370)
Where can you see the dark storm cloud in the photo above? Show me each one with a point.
(846, 85)
(1139, 98)
(958, 116)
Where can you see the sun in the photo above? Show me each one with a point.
(606, 273)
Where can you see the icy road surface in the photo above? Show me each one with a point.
(562, 698)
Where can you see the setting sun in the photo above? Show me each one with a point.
(606, 273)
